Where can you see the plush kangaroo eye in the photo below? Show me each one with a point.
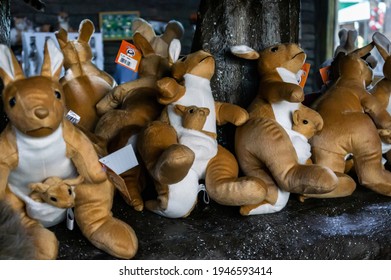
(70, 191)
(274, 49)
(12, 102)
(52, 198)
(305, 121)
(191, 111)
(57, 94)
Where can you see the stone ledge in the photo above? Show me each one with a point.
(355, 227)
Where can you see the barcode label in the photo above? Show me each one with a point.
(127, 61)
(73, 117)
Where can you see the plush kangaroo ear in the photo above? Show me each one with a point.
(39, 187)
(62, 37)
(174, 50)
(382, 44)
(361, 52)
(295, 117)
(74, 181)
(142, 44)
(52, 61)
(9, 66)
(179, 109)
(86, 29)
(245, 52)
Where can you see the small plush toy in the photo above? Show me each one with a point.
(84, 84)
(130, 106)
(39, 142)
(348, 110)
(177, 158)
(55, 191)
(266, 145)
(194, 117)
(306, 121)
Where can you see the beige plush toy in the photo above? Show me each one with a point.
(177, 158)
(55, 191)
(84, 84)
(39, 142)
(130, 106)
(266, 145)
(382, 89)
(351, 117)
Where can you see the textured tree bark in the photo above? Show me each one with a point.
(256, 23)
(5, 28)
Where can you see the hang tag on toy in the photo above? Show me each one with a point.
(121, 160)
(70, 219)
(118, 183)
(128, 56)
(324, 74)
(305, 70)
(73, 117)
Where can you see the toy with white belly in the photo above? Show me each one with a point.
(177, 157)
(266, 146)
(40, 142)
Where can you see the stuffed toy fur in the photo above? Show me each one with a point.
(56, 191)
(177, 157)
(159, 43)
(39, 142)
(84, 84)
(15, 243)
(266, 145)
(382, 89)
(130, 106)
(348, 109)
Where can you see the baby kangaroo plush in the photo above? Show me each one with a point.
(266, 145)
(84, 84)
(56, 191)
(39, 143)
(348, 110)
(177, 158)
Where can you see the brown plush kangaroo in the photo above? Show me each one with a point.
(38, 143)
(84, 84)
(266, 146)
(56, 191)
(348, 110)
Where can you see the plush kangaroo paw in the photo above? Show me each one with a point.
(173, 165)
(116, 238)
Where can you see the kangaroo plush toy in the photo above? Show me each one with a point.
(177, 166)
(266, 145)
(39, 142)
(382, 89)
(348, 110)
(56, 191)
(84, 84)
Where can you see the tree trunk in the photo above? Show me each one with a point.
(5, 28)
(256, 23)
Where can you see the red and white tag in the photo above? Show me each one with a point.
(305, 70)
(128, 56)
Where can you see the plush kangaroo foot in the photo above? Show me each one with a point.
(310, 179)
(173, 165)
(116, 238)
(45, 242)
